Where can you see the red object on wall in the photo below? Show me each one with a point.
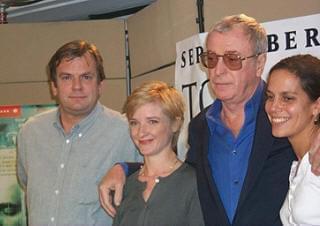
(10, 111)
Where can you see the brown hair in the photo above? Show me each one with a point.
(307, 69)
(71, 50)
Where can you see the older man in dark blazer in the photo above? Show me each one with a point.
(242, 171)
(265, 184)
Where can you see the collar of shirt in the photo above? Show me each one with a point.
(84, 124)
(251, 110)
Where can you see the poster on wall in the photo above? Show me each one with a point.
(12, 207)
(286, 37)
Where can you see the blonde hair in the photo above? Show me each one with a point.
(170, 100)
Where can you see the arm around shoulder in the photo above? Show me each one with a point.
(314, 155)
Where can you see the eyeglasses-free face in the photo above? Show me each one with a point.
(232, 60)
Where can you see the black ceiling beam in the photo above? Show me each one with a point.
(115, 14)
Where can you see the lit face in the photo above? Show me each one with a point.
(78, 89)
(290, 110)
(151, 130)
(10, 204)
(229, 86)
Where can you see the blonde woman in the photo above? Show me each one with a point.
(164, 191)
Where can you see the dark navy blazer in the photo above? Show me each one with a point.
(266, 182)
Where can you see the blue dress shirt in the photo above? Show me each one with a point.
(228, 155)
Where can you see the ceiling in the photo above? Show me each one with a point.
(68, 10)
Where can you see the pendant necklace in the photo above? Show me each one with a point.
(156, 178)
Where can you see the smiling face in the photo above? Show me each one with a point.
(290, 110)
(77, 88)
(151, 130)
(239, 85)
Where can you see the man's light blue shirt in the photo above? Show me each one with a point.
(61, 172)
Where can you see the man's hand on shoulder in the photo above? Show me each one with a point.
(111, 188)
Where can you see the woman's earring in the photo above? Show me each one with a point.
(317, 119)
